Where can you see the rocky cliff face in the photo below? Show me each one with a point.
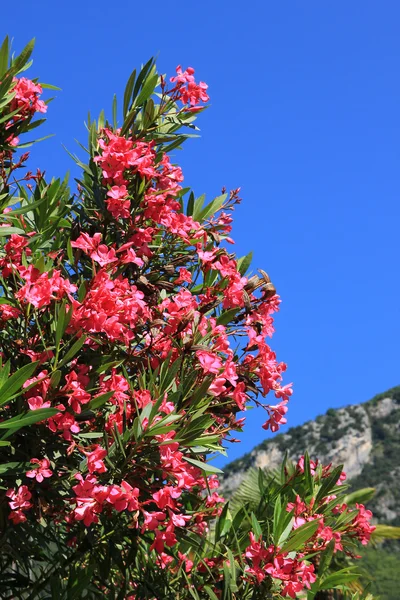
(365, 438)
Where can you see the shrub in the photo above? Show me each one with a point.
(131, 338)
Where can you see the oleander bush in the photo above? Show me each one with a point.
(131, 339)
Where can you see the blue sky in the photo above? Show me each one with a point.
(305, 118)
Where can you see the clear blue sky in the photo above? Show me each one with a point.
(305, 116)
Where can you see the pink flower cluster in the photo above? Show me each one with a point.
(26, 98)
(294, 573)
(186, 88)
(20, 502)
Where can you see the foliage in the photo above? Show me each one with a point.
(131, 338)
(380, 568)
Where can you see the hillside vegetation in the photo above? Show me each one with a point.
(366, 439)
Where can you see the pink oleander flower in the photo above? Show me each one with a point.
(42, 471)
(276, 416)
(26, 97)
(20, 499)
(95, 461)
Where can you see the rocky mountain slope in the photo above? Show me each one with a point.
(364, 437)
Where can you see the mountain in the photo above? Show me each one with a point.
(365, 438)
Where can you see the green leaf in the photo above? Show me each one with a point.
(4, 467)
(163, 426)
(23, 58)
(27, 208)
(63, 320)
(147, 90)
(244, 262)
(360, 496)
(14, 383)
(142, 76)
(307, 473)
(224, 523)
(73, 350)
(385, 532)
(190, 205)
(4, 53)
(55, 379)
(227, 316)
(114, 111)
(285, 533)
(210, 593)
(338, 579)
(49, 86)
(206, 467)
(197, 207)
(300, 536)
(329, 483)
(256, 527)
(326, 558)
(4, 373)
(212, 208)
(9, 230)
(33, 416)
(128, 92)
(98, 401)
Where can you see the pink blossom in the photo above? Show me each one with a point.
(124, 497)
(95, 460)
(210, 362)
(26, 97)
(276, 416)
(41, 471)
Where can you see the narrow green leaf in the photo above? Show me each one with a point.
(256, 527)
(197, 207)
(49, 86)
(360, 496)
(27, 208)
(114, 111)
(210, 593)
(212, 208)
(99, 401)
(227, 316)
(73, 350)
(224, 523)
(206, 467)
(190, 205)
(300, 536)
(33, 416)
(21, 60)
(9, 230)
(4, 53)
(128, 92)
(142, 76)
(244, 262)
(4, 467)
(329, 483)
(14, 383)
(307, 473)
(285, 533)
(147, 90)
(4, 373)
(338, 579)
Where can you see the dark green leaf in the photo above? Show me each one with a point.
(4, 53)
(33, 416)
(73, 350)
(14, 383)
(300, 536)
